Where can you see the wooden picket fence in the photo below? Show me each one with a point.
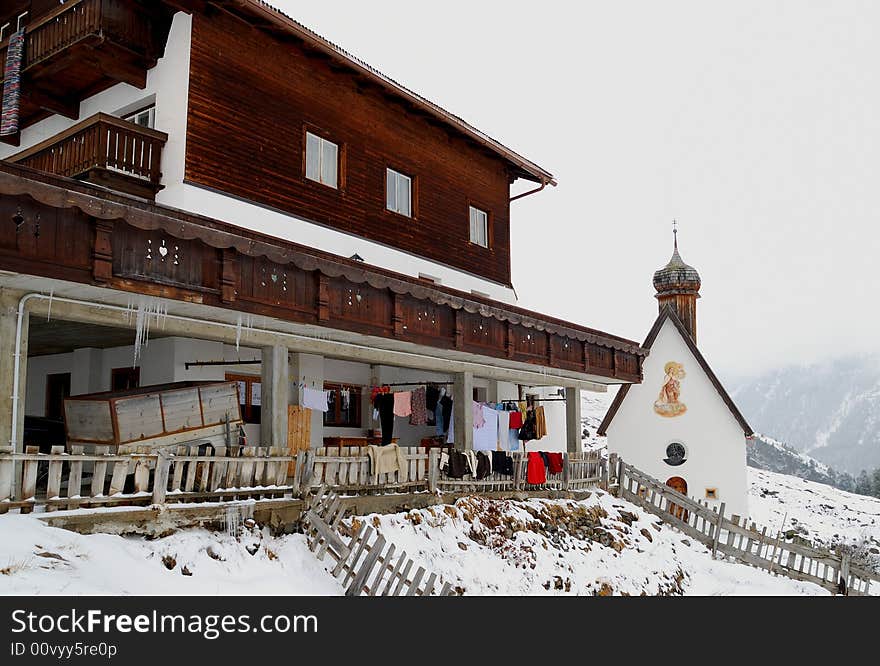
(741, 539)
(357, 561)
(60, 480)
(347, 469)
(190, 473)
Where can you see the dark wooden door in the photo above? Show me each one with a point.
(680, 485)
(57, 388)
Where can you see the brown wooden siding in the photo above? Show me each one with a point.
(248, 114)
(207, 261)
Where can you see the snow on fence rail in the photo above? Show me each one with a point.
(742, 541)
(60, 480)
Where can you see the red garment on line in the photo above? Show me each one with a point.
(555, 462)
(536, 473)
(516, 420)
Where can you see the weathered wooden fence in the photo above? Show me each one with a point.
(60, 480)
(579, 471)
(366, 565)
(190, 473)
(741, 539)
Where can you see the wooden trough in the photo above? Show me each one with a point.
(153, 417)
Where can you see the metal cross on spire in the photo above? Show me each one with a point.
(675, 233)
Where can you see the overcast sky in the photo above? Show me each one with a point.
(754, 123)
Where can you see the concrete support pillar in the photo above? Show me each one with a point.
(463, 411)
(85, 376)
(10, 398)
(307, 371)
(275, 396)
(573, 419)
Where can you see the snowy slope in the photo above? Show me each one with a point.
(819, 513)
(37, 559)
(599, 546)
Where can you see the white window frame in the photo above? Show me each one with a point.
(475, 216)
(393, 181)
(321, 176)
(151, 117)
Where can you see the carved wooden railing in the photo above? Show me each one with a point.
(100, 142)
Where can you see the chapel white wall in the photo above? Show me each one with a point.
(715, 443)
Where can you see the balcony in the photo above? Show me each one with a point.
(103, 150)
(83, 47)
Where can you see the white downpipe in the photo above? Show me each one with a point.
(562, 381)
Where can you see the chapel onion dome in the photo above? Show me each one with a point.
(676, 276)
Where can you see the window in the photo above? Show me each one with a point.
(676, 454)
(712, 493)
(322, 160)
(479, 227)
(344, 404)
(398, 192)
(145, 117)
(249, 396)
(125, 379)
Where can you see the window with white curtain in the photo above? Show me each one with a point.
(398, 192)
(479, 227)
(322, 160)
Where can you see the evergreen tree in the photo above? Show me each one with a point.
(863, 484)
(875, 483)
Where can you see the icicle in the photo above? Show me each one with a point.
(49, 311)
(238, 332)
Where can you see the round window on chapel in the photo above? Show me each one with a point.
(675, 454)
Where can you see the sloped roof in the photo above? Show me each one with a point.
(669, 313)
(265, 16)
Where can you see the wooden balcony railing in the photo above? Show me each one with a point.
(85, 46)
(103, 150)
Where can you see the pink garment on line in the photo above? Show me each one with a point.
(479, 420)
(403, 403)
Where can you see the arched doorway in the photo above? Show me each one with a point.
(679, 485)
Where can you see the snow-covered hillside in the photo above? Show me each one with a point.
(816, 512)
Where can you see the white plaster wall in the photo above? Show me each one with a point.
(37, 370)
(715, 443)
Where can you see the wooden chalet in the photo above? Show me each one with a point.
(274, 211)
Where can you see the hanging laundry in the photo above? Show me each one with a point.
(502, 463)
(386, 460)
(458, 465)
(446, 404)
(484, 466)
(528, 431)
(555, 466)
(486, 437)
(471, 457)
(536, 473)
(540, 423)
(315, 399)
(438, 420)
(384, 402)
(403, 403)
(418, 408)
(432, 397)
(513, 443)
(479, 421)
(503, 439)
(516, 419)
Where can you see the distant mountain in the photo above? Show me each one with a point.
(829, 410)
(769, 454)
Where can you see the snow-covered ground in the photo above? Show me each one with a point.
(818, 512)
(37, 559)
(598, 546)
